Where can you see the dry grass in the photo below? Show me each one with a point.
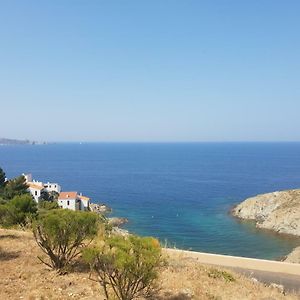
(186, 276)
(24, 277)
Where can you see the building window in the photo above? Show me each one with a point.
(35, 193)
(68, 202)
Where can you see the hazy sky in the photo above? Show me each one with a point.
(150, 70)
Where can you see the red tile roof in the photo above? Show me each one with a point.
(67, 195)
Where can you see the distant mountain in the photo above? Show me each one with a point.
(4, 141)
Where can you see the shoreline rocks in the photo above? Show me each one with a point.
(114, 222)
(293, 257)
(277, 211)
(100, 208)
(117, 222)
(120, 231)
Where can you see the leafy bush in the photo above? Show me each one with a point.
(48, 205)
(18, 211)
(48, 196)
(220, 274)
(61, 234)
(3, 214)
(2, 179)
(126, 266)
(14, 187)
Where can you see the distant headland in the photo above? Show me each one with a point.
(5, 141)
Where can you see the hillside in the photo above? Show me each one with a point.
(24, 277)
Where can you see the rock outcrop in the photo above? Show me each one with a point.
(278, 211)
(117, 221)
(100, 208)
(120, 231)
(294, 256)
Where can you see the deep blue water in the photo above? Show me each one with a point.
(180, 193)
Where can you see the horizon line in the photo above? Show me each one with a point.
(170, 142)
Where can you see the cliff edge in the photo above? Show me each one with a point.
(294, 256)
(278, 211)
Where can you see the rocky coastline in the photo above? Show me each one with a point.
(114, 222)
(278, 211)
(100, 208)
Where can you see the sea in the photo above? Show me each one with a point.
(181, 193)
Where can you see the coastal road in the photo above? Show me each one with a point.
(291, 283)
(266, 271)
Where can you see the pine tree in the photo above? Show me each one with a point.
(2, 178)
(15, 187)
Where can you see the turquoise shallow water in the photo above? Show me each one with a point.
(180, 193)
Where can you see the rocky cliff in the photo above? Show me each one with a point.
(278, 211)
(294, 256)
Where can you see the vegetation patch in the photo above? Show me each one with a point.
(220, 274)
(61, 234)
(126, 267)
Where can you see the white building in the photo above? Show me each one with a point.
(73, 201)
(69, 200)
(36, 187)
(52, 187)
(85, 202)
(35, 190)
(28, 177)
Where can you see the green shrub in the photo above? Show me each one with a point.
(2, 178)
(48, 196)
(3, 214)
(220, 274)
(14, 187)
(62, 233)
(18, 211)
(126, 267)
(47, 205)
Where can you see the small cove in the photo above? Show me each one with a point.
(178, 192)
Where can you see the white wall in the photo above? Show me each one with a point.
(85, 204)
(28, 177)
(67, 203)
(52, 187)
(36, 194)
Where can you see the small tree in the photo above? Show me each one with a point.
(18, 211)
(2, 179)
(126, 266)
(15, 187)
(2, 186)
(47, 205)
(48, 196)
(61, 234)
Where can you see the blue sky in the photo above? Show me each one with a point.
(150, 70)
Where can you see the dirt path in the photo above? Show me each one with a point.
(291, 283)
